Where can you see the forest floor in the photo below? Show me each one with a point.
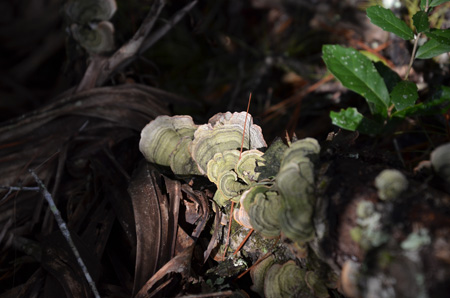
(75, 120)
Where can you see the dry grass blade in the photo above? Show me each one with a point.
(84, 147)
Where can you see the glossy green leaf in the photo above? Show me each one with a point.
(440, 35)
(404, 95)
(422, 4)
(348, 119)
(357, 73)
(431, 3)
(390, 77)
(432, 48)
(437, 2)
(440, 104)
(386, 20)
(421, 22)
(351, 119)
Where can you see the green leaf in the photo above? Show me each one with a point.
(432, 3)
(386, 20)
(420, 20)
(422, 4)
(351, 119)
(348, 119)
(390, 77)
(404, 95)
(357, 73)
(440, 104)
(437, 2)
(431, 48)
(441, 35)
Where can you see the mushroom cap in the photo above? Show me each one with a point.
(264, 213)
(96, 39)
(258, 273)
(220, 163)
(246, 166)
(160, 138)
(285, 280)
(224, 132)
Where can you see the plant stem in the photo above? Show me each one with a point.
(411, 61)
(416, 42)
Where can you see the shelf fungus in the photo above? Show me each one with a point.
(287, 280)
(213, 150)
(440, 160)
(295, 182)
(246, 166)
(97, 38)
(390, 184)
(221, 162)
(258, 273)
(165, 141)
(263, 207)
(86, 11)
(224, 132)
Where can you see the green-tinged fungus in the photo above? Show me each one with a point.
(97, 38)
(245, 167)
(220, 163)
(285, 280)
(160, 137)
(258, 273)
(264, 213)
(224, 132)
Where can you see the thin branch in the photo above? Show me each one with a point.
(151, 40)
(132, 47)
(65, 231)
(411, 61)
(101, 68)
(16, 188)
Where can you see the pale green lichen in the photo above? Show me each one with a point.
(369, 232)
(416, 240)
(390, 184)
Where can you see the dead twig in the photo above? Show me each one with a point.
(100, 68)
(65, 231)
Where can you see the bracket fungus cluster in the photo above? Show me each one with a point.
(90, 24)
(272, 279)
(274, 190)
